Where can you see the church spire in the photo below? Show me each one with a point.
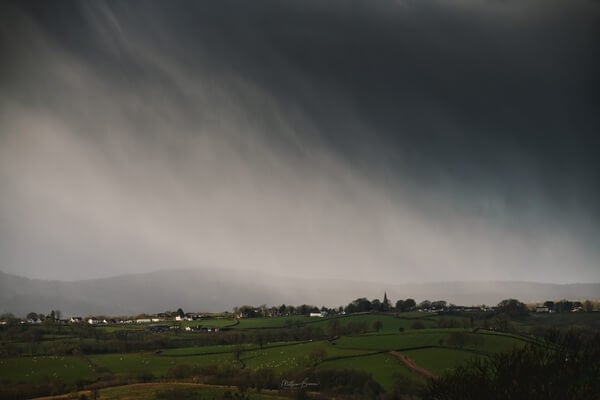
(386, 303)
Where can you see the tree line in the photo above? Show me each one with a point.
(564, 368)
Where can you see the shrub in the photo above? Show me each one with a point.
(418, 325)
(566, 369)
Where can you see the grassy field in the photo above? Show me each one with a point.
(216, 322)
(389, 322)
(350, 351)
(431, 347)
(281, 357)
(202, 350)
(439, 360)
(39, 369)
(294, 355)
(498, 342)
(189, 391)
(563, 320)
(383, 367)
(158, 365)
(275, 322)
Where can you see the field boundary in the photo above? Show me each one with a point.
(410, 363)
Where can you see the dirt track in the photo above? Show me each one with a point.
(410, 363)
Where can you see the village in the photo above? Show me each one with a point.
(171, 320)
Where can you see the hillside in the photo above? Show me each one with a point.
(220, 290)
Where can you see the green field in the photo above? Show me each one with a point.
(149, 391)
(578, 320)
(203, 350)
(383, 367)
(39, 369)
(275, 322)
(158, 365)
(367, 352)
(352, 351)
(439, 360)
(216, 322)
(293, 356)
(391, 341)
(282, 345)
(389, 322)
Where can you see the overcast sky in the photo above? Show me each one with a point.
(399, 141)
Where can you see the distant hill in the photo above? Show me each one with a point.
(221, 290)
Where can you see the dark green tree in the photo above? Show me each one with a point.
(425, 304)
(399, 306)
(439, 304)
(377, 325)
(376, 305)
(237, 352)
(513, 308)
(304, 309)
(418, 325)
(282, 309)
(566, 369)
(359, 305)
(458, 339)
(32, 316)
(563, 306)
(549, 304)
(501, 322)
(317, 356)
(333, 327)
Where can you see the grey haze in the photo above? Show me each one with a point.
(396, 141)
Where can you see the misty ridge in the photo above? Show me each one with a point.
(218, 290)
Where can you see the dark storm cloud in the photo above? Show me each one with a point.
(437, 139)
